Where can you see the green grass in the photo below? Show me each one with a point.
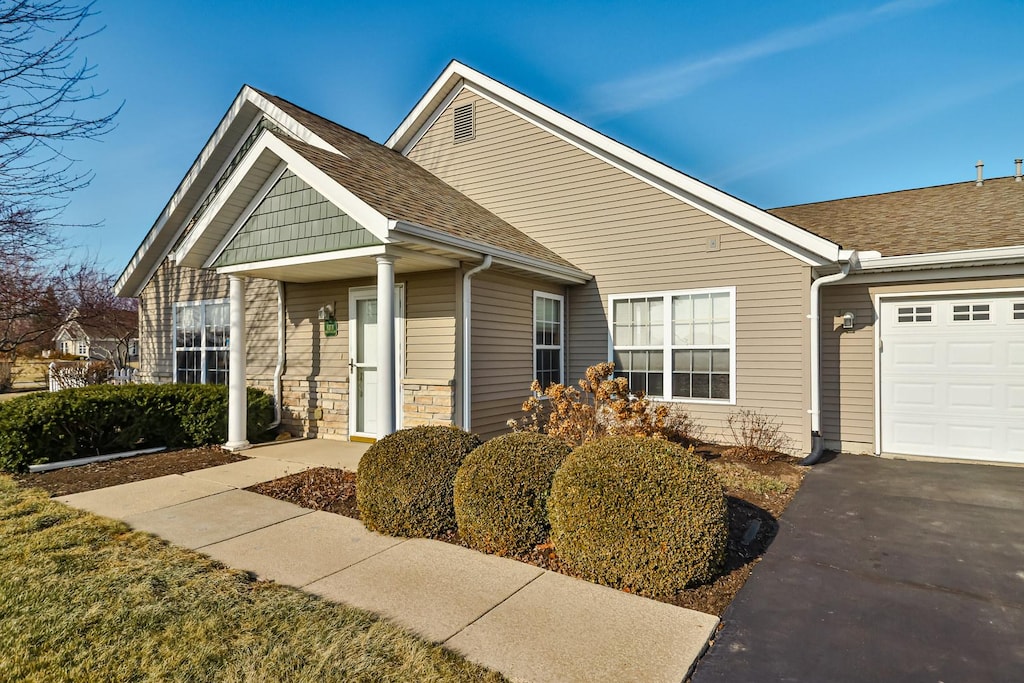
(736, 476)
(83, 598)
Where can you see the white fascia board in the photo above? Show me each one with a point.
(126, 284)
(306, 259)
(360, 211)
(946, 259)
(287, 122)
(745, 217)
(501, 256)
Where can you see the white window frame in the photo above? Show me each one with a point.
(991, 312)
(203, 348)
(1013, 312)
(82, 348)
(667, 346)
(537, 295)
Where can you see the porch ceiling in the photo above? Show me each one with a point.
(343, 265)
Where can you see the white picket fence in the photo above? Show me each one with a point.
(69, 375)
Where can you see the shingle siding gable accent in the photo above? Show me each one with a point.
(632, 238)
(294, 220)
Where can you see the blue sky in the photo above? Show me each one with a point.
(775, 102)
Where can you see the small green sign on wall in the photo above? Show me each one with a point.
(330, 327)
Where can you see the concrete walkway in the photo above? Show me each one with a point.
(885, 570)
(528, 623)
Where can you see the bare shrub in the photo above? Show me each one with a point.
(67, 376)
(758, 437)
(601, 406)
(681, 426)
(6, 375)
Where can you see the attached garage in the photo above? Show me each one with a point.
(951, 376)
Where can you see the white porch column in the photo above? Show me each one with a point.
(386, 357)
(236, 367)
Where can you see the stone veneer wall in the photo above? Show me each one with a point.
(428, 402)
(319, 408)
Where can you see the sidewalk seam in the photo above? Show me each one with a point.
(496, 606)
(347, 567)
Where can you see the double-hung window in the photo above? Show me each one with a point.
(201, 342)
(676, 345)
(548, 338)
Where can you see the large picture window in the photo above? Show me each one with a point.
(201, 342)
(676, 345)
(548, 338)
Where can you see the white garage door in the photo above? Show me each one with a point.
(952, 376)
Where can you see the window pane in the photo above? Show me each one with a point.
(720, 361)
(681, 385)
(701, 386)
(682, 308)
(702, 361)
(217, 367)
(721, 310)
(621, 311)
(701, 334)
(702, 307)
(721, 333)
(548, 366)
(681, 361)
(682, 334)
(720, 386)
(217, 325)
(655, 384)
(623, 335)
(657, 361)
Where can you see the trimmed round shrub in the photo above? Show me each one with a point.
(644, 515)
(502, 489)
(405, 480)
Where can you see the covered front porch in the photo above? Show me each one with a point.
(365, 229)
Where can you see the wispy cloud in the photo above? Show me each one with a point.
(914, 107)
(675, 80)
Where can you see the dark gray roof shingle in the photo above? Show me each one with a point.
(952, 217)
(402, 190)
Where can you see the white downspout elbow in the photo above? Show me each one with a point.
(467, 354)
(279, 368)
(817, 442)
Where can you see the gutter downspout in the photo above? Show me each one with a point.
(467, 353)
(817, 442)
(279, 370)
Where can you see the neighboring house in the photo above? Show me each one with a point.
(492, 240)
(111, 337)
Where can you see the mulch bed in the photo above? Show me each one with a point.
(321, 488)
(112, 472)
(334, 490)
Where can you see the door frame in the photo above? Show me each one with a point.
(355, 293)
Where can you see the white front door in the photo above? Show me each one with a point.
(363, 359)
(952, 376)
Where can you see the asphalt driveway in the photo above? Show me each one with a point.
(885, 570)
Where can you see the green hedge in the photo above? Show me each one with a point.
(75, 423)
(640, 514)
(501, 492)
(405, 482)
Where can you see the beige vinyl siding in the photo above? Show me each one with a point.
(502, 350)
(848, 356)
(635, 238)
(171, 285)
(429, 327)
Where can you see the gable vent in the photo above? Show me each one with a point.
(465, 124)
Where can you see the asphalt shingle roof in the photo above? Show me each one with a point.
(927, 220)
(404, 191)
